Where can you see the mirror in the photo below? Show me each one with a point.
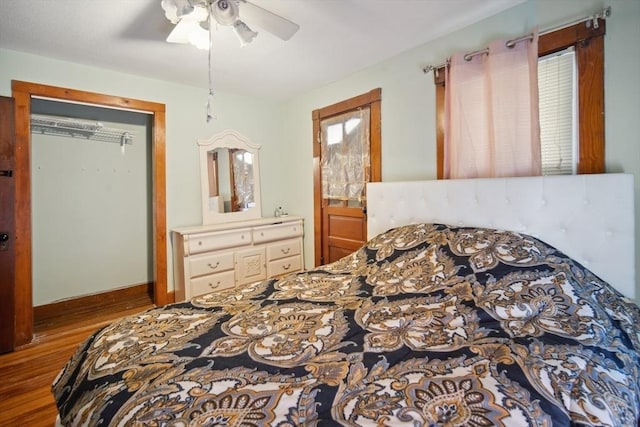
(230, 178)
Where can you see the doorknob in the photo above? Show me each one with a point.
(4, 239)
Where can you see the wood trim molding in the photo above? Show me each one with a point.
(570, 36)
(376, 139)
(22, 93)
(23, 295)
(159, 171)
(317, 190)
(590, 58)
(349, 104)
(88, 302)
(440, 101)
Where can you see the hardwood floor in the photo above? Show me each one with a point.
(26, 374)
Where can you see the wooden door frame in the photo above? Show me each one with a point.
(371, 99)
(22, 93)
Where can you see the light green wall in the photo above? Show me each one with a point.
(408, 99)
(86, 197)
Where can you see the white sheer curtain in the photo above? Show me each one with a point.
(344, 161)
(491, 113)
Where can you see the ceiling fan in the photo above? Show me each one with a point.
(194, 20)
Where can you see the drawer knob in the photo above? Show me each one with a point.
(286, 267)
(212, 286)
(285, 251)
(199, 242)
(213, 267)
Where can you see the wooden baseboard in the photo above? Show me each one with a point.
(89, 302)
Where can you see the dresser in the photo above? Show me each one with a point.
(219, 256)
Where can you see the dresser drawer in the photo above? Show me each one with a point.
(200, 265)
(283, 249)
(212, 282)
(284, 266)
(285, 230)
(206, 242)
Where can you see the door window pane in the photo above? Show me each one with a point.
(344, 156)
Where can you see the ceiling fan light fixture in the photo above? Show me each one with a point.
(244, 33)
(174, 10)
(189, 29)
(225, 11)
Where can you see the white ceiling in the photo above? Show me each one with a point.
(336, 38)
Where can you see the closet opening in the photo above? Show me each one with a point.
(146, 118)
(91, 211)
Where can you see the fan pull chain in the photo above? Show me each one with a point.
(210, 115)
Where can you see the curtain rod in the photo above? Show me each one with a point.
(590, 20)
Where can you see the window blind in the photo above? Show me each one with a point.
(557, 101)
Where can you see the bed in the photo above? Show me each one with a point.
(457, 312)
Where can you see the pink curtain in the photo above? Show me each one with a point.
(491, 113)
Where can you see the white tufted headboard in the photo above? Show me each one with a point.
(588, 217)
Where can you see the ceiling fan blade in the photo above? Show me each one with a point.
(180, 33)
(268, 21)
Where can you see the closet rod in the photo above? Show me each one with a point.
(75, 128)
(590, 20)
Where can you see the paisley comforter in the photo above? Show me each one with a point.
(425, 325)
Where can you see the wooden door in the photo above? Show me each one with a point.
(344, 229)
(7, 225)
(346, 157)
